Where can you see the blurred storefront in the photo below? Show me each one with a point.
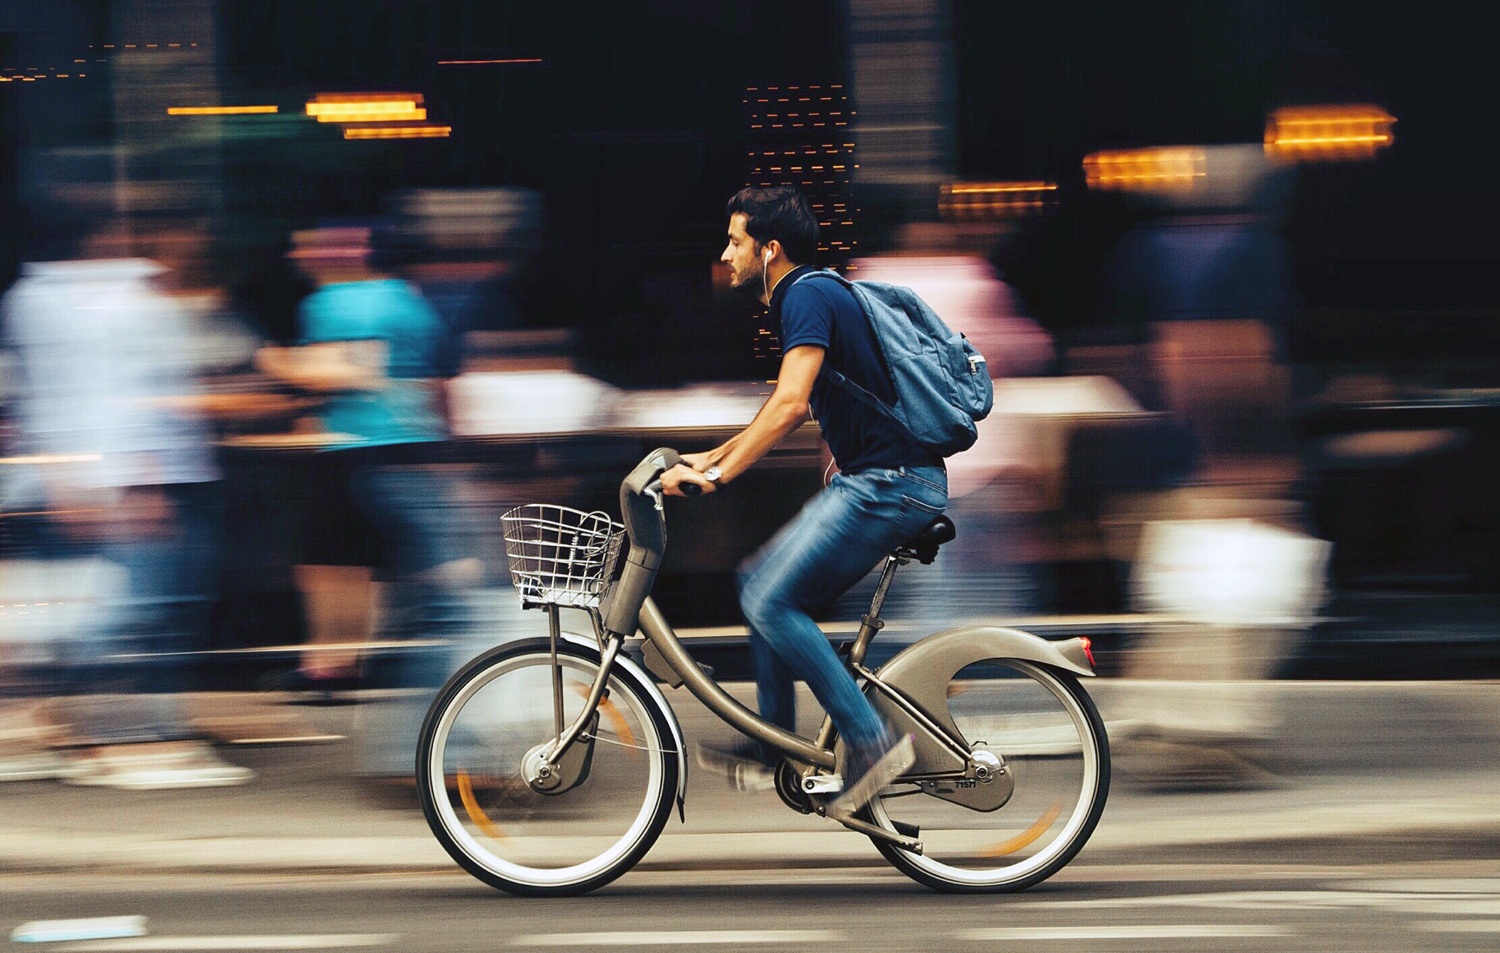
(1298, 334)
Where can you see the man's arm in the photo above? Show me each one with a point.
(783, 412)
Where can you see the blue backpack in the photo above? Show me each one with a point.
(941, 381)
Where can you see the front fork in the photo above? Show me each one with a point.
(562, 763)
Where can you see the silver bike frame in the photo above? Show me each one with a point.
(901, 682)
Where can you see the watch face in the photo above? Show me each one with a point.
(712, 474)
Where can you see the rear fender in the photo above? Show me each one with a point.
(921, 673)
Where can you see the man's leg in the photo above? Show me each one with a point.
(775, 692)
(838, 537)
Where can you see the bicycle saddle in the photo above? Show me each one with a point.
(924, 546)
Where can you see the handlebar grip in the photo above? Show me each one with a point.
(647, 472)
(690, 489)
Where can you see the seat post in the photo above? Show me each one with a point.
(872, 623)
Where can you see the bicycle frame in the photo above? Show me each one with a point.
(994, 718)
(942, 752)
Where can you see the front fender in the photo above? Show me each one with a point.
(648, 685)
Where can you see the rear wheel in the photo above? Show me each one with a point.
(477, 735)
(1037, 729)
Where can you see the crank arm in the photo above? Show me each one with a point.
(870, 830)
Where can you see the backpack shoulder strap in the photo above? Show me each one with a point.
(838, 378)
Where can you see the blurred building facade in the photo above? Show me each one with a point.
(1280, 317)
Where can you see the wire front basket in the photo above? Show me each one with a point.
(559, 555)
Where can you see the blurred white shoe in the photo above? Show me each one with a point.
(870, 769)
(157, 766)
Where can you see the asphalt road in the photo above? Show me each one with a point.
(1271, 901)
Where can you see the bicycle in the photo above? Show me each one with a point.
(549, 766)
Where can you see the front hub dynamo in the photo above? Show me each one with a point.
(540, 775)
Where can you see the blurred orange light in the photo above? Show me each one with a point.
(220, 110)
(1329, 132)
(351, 98)
(393, 115)
(991, 200)
(366, 107)
(1146, 170)
(398, 132)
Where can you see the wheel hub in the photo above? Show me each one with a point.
(987, 764)
(540, 774)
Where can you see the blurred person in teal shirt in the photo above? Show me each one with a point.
(371, 347)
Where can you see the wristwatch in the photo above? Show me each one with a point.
(713, 475)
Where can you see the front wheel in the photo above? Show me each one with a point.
(1040, 731)
(477, 734)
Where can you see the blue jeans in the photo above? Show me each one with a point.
(836, 539)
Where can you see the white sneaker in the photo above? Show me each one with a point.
(869, 778)
(157, 766)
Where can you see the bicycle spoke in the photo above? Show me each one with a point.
(609, 793)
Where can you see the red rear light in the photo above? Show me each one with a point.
(1088, 649)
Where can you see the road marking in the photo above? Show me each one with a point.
(149, 944)
(1452, 906)
(678, 938)
(1246, 900)
(1162, 932)
(1459, 926)
(1427, 885)
(83, 928)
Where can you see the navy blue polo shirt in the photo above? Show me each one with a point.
(825, 314)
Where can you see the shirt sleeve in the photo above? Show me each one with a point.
(806, 318)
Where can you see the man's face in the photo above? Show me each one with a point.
(742, 255)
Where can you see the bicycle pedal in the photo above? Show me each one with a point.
(823, 784)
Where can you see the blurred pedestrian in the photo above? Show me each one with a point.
(118, 466)
(986, 571)
(373, 349)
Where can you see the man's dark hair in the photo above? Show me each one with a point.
(781, 213)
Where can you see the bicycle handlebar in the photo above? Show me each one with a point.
(645, 523)
(640, 502)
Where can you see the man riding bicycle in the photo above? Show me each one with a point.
(888, 486)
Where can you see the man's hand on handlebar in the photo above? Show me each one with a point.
(684, 480)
